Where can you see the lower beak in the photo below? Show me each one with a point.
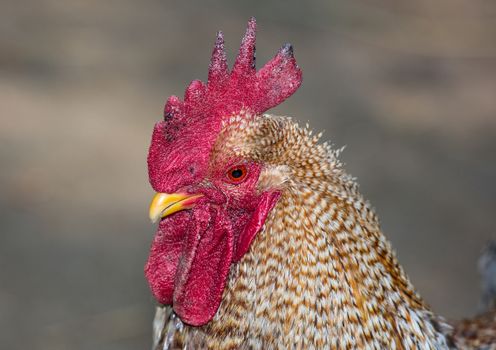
(164, 204)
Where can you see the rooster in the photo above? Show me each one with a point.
(264, 240)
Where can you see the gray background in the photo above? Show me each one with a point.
(408, 86)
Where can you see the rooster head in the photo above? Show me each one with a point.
(210, 201)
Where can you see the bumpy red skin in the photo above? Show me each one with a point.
(193, 249)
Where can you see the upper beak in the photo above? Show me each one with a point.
(164, 204)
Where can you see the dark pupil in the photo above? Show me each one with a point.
(237, 173)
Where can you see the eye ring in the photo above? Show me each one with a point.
(236, 174)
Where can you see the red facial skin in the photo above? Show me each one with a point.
(194, 249)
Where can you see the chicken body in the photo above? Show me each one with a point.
(320, 274)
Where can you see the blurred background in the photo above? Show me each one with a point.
(408, 86)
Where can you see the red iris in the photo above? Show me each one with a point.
(237, 174)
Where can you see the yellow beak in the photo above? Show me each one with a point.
(164, 204)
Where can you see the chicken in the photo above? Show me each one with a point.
(264, 240)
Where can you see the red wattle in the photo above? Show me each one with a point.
(165, 252)
(204, 266)
(189, 262)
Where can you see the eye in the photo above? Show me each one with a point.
(237, 174)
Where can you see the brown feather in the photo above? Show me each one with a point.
(320, 274)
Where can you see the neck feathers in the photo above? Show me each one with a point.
(320, 274)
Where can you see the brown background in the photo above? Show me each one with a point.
(408, 86)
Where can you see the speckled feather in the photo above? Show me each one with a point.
(320, 274)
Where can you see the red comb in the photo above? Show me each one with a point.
(194, 123)
(227, 93)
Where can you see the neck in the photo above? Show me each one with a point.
(322, 273)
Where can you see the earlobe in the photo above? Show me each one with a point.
(273, 177)
(266, 203)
